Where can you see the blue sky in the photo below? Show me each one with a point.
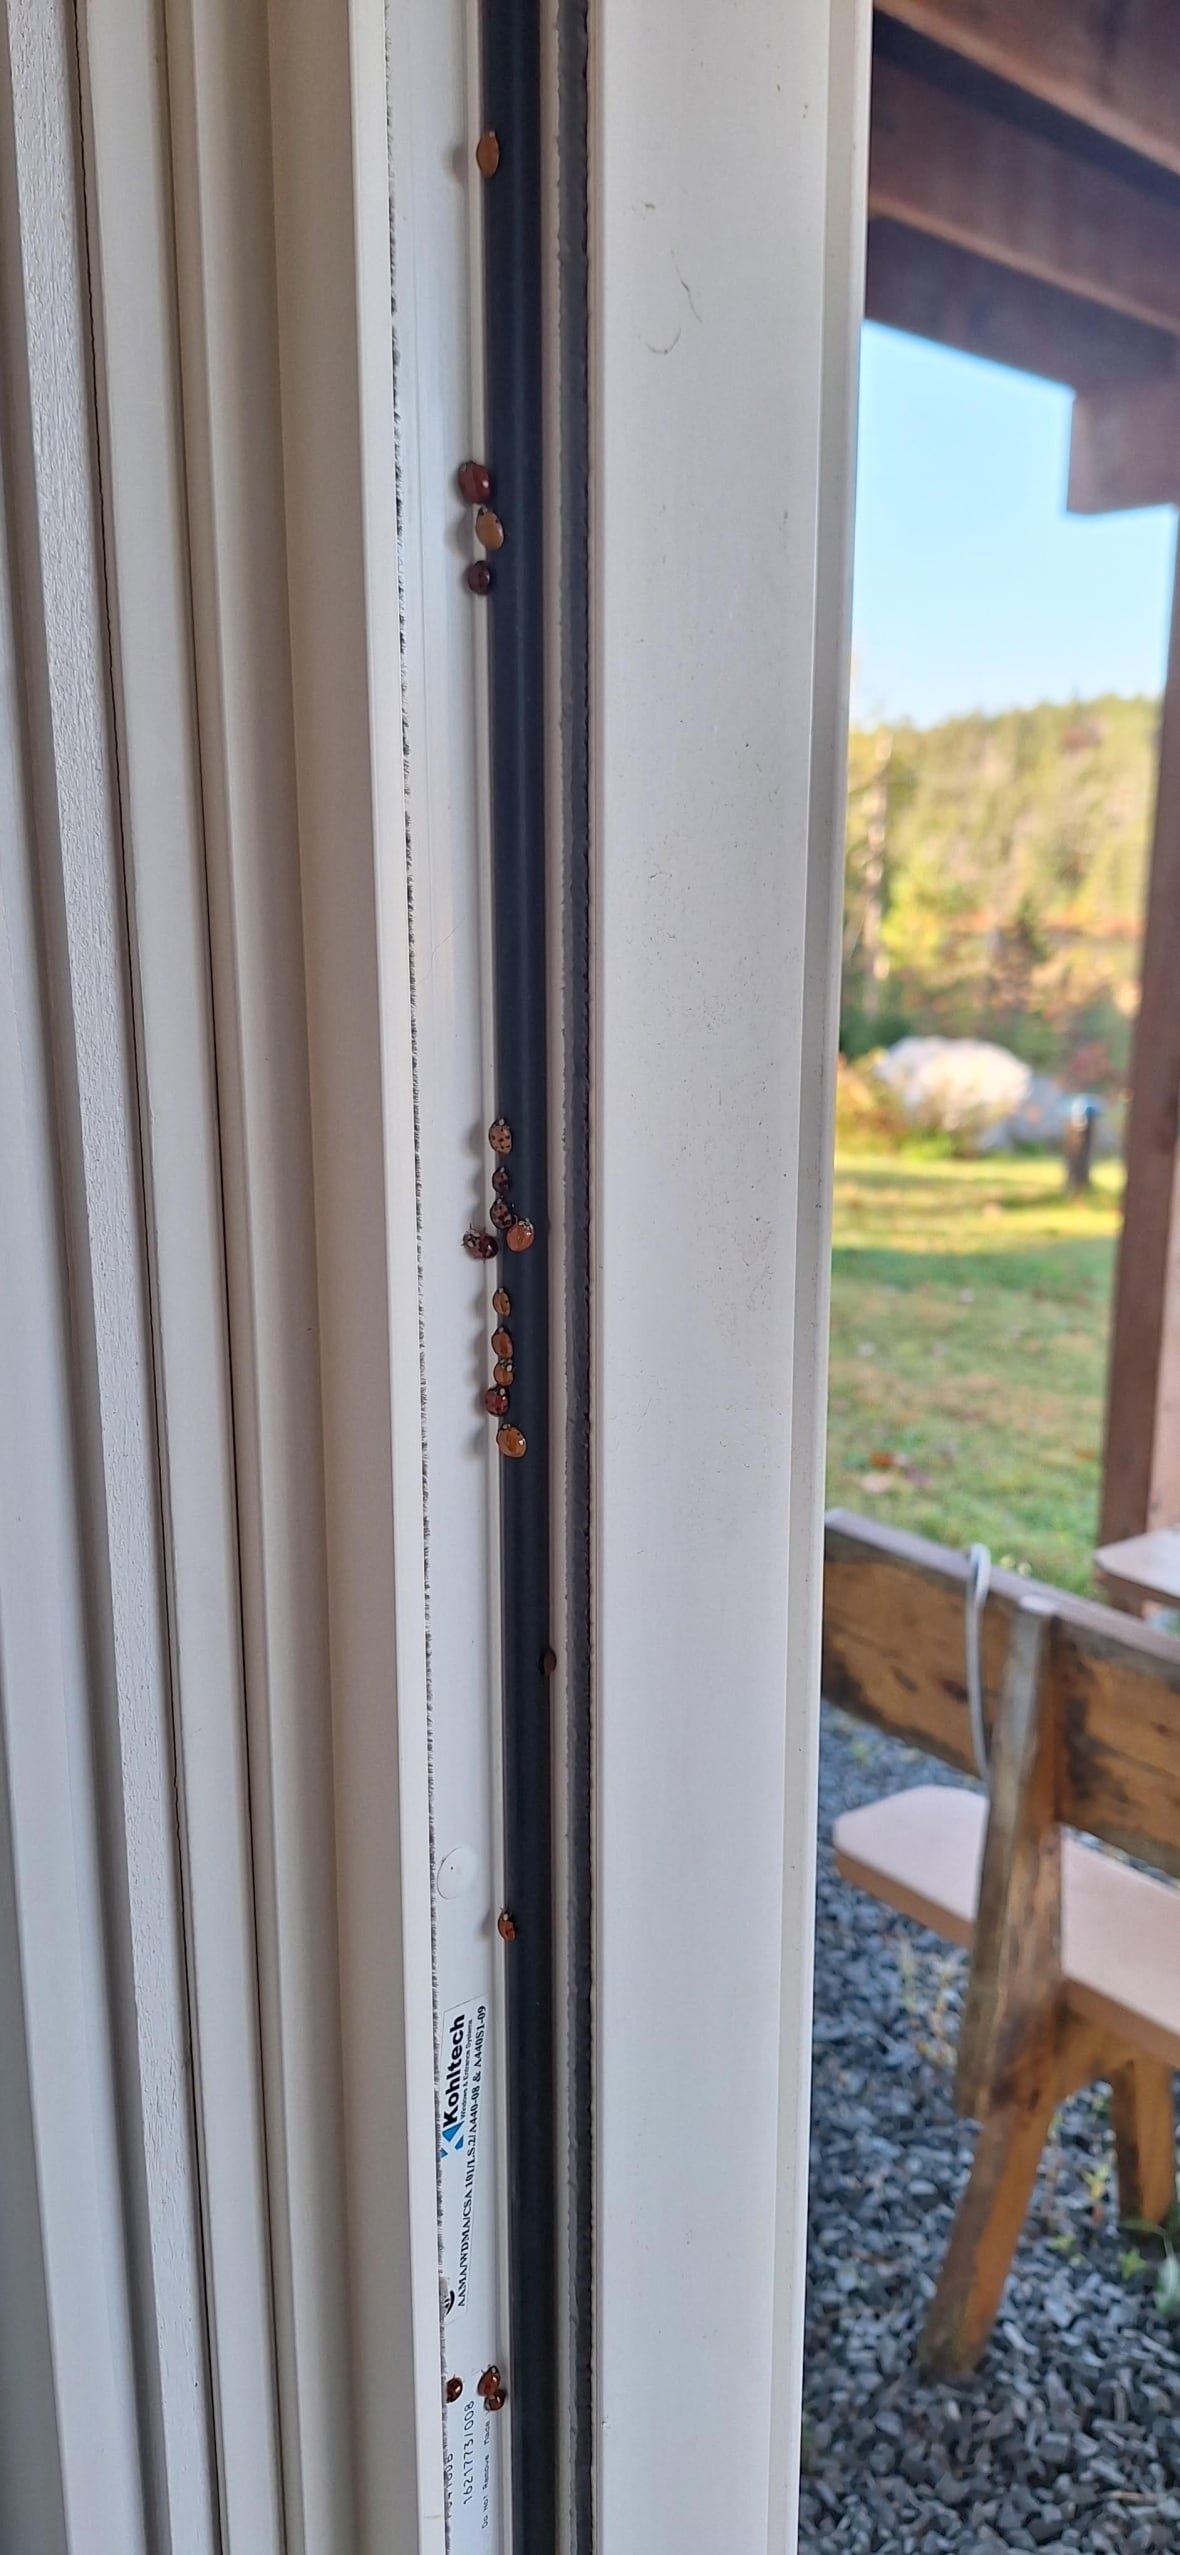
(973, 587)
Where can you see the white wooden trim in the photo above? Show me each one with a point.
(843, 305)
(220, 101)
(268, 1087)
(283, 295)
(149, 606)
(285, 300)
(115, 1456)
(67, 2309)
(721, 151)
(335, 314)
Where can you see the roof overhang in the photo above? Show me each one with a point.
(1024, 203)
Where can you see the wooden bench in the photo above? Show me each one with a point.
(1075, 1956)
(1144, 1570)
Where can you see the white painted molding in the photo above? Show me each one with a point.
(221, 104)
(130, 2358)
(69, 2449)
(843, 306)
(130, 234)
(226, 902)
(221, 1810)
(285, 297)
(283, 314)
(335, 306)
(724, 153)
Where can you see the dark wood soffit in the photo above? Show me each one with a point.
(940, 164)
(929, 288)
(1116, 69)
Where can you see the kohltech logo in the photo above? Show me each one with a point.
(462, 2049)
(453, 2121)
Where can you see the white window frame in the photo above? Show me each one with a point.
(728, 172)
(241, 531)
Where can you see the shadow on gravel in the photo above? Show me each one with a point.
(1069, 2436)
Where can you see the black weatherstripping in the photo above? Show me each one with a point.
(513, 296)
(572, 478)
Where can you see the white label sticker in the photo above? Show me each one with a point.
(464, 2033)
(471, 2507)
(470, 2440)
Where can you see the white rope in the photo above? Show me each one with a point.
(979, 1572)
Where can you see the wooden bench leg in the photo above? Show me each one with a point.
(983, 2238)
(1144, 2138)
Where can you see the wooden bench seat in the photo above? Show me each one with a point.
(1074, 1969)
(922, 1851)
(1142, 1569)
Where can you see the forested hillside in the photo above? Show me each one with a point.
(995, 881)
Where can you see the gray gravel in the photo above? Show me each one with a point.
(1069, 2435)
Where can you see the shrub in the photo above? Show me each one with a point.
(867, 1115)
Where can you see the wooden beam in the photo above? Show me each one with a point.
(1124, 448)
(963, 173)
(1141, 1466)
(1164, 1495)
(1116, 69)
(930, 288)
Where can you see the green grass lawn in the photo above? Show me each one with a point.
(970, 1308)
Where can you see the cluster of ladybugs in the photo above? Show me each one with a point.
(475, 487)
(519, 1235)
(490, 2386)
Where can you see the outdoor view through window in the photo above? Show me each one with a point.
(993, 2342)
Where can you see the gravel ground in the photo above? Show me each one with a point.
(1069, 2435)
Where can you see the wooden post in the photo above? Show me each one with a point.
(1141, 1472)
(1143, 2110)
